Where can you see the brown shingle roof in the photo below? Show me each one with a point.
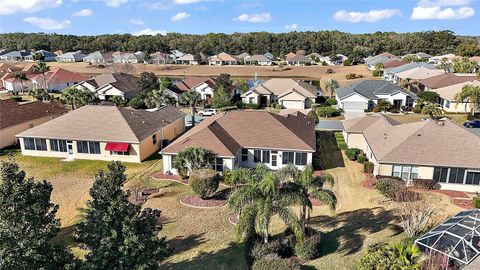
(394, 63)
(281, 86)
(446, 79)
(60, 75)
(359, 124)
(191, 82)
(105, 123)
(12, 113)
(225, 133)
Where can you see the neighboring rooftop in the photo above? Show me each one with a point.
(408, 67)
(282, 86)
(419, 73)
(449, 92)
(445, 79)
(371, 88)
(190, 83)
(106, 123)
(60, 75)
(13, 113)
(225, 133)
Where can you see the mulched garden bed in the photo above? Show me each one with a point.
(467, 204)
(452, 193)
(369, 182)
(176, 178)
(233, 219)
(195, 201)
(139, 197)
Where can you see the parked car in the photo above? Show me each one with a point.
(472, 124)
(207, 112)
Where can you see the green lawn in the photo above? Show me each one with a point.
(410, 118)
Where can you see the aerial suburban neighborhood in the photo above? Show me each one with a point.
(259, 135)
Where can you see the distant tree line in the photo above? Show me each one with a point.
(325, 42)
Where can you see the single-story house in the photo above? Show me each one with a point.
(127, 57)
(258, 59)
(186, 59)
(98, 57)
(176, 54)
(438, 59)
(57, 79)
(290, 94)
(269, 56)
(389, 73)
(419, 55)
(448, 101)
(160, 58)
(205, 86)
(71, 57)
(418, 73)
(11, 84)
(222, 59)
(16, 118)
(242, 56)
(393, 63)
(14, 55)
(106, 86)
(382, 58)
(247, 138)
(431, 149)
(444, 80)
(340, 58)
(46, 56)
(297, 60)
(104, 133)
(366, 94)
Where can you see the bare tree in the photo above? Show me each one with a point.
(416, 216)
(126, 68)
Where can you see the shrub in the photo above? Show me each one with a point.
(347, 63)
(329, 71)
(350, 76)
(429, 96)
(274, 264)
(137, 103)
(204, 182)
(278, 106)
(358, 76)
(317, 163)
(331, 101)
(260, 250)
(361, 159)
(16, 98)
(428, 184)
(378, 256)
(326, 111)
(309, 248)
(252, 106)
(389, 187)
(382, 105)
(368, 167)
(342, 146)
(476, 202)
(417, 109)
(352, 153)
(377, 73)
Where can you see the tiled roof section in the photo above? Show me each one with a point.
(437, 143)
(224, 133)
(104, 123)
(446, 79)
(12, 113)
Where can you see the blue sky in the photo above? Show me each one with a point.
(197, 17)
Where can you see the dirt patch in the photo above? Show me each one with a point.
(197, 202)
(165, 177)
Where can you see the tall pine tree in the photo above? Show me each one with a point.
(119, 235)
(28, 223)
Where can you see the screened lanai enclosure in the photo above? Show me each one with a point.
(456, 241)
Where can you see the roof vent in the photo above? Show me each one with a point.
(419, 134)
(440, 123)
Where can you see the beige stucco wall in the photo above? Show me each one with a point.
(385, 169)
(247, 98)
(7, 135)
(170, 132)
(355, 140)
(456, 107)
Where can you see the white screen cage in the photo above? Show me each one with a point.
(457, 239)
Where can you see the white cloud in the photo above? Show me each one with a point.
(186, 2)
(442, 10)
(180, 16)
(148, 31)
(439, 13)
(83, 13)
(163, 5)
(137, 22)
(373, 15)
(291, 27)
(255, 18)
(14, 6)
(47, 23)
(115, 3)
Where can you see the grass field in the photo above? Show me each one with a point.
(204, 239)
(410, 118)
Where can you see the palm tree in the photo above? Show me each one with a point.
(156, 98)
(42, 68)
(21, 77)
(40, 94)
(331, 85)
(77, 97)
(469, 94)
(259, 200)
(432, 109)
(191, 98)
(192, 158)
(309, 186)
(408, 256)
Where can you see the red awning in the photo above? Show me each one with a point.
(115, 146)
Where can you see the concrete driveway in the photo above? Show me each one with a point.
(331, 125)
(353, 114)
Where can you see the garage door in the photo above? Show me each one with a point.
(354, 106)
(293, 104)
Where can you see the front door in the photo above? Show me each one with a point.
(70, 148)
(397, 103)
(274, 159)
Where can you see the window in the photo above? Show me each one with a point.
(244, 154)
(251, 100)
(117, 153)
(406, 172)
(154, 139)
(473, 178)
(266, 156)
(287, 157)
(219, 164)
(35, 144)
(86, 147)
(456, 175)
(274, 158)
(447, 104)
(300, 158)
(440, 174)
(450, 175)
(58, 145)
(256, 156)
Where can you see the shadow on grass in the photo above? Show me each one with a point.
(65, 236)
(327, 150)
(181, 244)
(230, 258)
(349, 229)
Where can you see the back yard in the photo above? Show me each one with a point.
(204, 238)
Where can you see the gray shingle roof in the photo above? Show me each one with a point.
(407, 67)
(370, 89)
